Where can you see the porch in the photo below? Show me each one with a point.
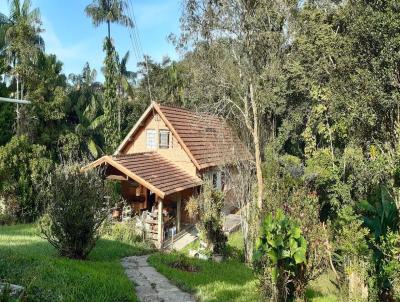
(154, 188)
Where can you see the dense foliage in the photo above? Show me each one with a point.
(23, 166)
(76, 205)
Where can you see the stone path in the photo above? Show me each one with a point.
(151, 285)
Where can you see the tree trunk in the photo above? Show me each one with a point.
(17, 109)
(257, 151)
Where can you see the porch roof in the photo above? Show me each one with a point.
(151, 170)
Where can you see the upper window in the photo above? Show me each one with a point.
(151, 142)
(164, 139)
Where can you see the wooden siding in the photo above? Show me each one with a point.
(174, 153)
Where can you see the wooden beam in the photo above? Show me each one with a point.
(178, 213)
(108, 159)
(117, 177)
(160, 231)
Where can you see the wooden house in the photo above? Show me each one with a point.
(165, 158)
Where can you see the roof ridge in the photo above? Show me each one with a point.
(131, 154)
(173, 106)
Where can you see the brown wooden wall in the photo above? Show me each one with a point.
(175, 153)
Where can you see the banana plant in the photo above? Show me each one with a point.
(380, 213)
(281, 245)
(89, 127)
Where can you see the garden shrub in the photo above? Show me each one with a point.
(280, 258)
(77, 204)
(353, 257)
(125, 231)
(6, 219)
(184, 263)
(207, 207)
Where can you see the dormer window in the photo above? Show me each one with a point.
(163, 139)
(151, 142)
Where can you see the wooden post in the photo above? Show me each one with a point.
(178, 214)
(160, 223)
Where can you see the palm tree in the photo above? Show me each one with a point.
(109, 11)
(125, 88)
(23, 43)
(4, 23)
(23, 40)
(89, 128)
(87, 111)
(126, 76)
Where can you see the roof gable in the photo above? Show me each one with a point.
(208, 140)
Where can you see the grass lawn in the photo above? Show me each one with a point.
(28, 260)
(230, 280)
(226, 281)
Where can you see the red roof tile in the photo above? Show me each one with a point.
(158, 171)
(209, 138)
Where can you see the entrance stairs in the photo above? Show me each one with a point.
(186, 236)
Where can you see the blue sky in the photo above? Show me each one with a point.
(71, 36)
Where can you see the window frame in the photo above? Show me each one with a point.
(160, 133)
(148, 146)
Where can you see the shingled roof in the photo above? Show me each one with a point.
(151, 170)
(208, 139)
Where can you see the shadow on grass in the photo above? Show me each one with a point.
(35, 264)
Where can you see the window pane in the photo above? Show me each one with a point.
(151, 139)
(164, 139)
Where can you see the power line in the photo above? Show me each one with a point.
(137, 45)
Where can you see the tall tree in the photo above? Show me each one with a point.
(86, 115)
(108, 11)
(111, 134)
(243, 44)
(23, 44)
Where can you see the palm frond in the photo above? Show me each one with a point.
(92, 147)
(99, 121)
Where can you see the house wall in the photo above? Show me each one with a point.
(185, 195)
(219, 178)
(174, 153)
